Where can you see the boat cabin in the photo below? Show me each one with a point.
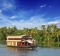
(20, 41)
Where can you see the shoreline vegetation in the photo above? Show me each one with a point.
(49, 34)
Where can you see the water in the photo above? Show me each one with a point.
(39, 51)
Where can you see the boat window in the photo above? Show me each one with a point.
(14, 39)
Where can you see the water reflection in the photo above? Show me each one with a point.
(18, 49)
(47, 45)
(21, 52)
(9, 51)
(43, 50)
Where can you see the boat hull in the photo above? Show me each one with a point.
(23, 47)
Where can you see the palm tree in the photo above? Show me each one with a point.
(58, 35)
(26, 31)
(43, 31)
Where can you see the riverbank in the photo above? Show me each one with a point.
(40, 44)
(49, 45)
(3, 42)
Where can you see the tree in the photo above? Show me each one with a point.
(2, 35)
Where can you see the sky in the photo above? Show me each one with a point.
(29, 13)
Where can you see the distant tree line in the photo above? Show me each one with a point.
(48, 33)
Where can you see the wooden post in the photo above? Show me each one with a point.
(27, 43)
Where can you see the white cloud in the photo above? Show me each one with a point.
(13, 24)
(7, 5)
(34, 21)
(21, 20)
(12, 17)
(44, 5)
(0, 11)
(54, 22)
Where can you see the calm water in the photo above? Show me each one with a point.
(39, 51)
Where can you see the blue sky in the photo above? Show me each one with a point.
(29, 13)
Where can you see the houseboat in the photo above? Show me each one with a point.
(21, 41)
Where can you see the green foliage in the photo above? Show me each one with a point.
(47, 34)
